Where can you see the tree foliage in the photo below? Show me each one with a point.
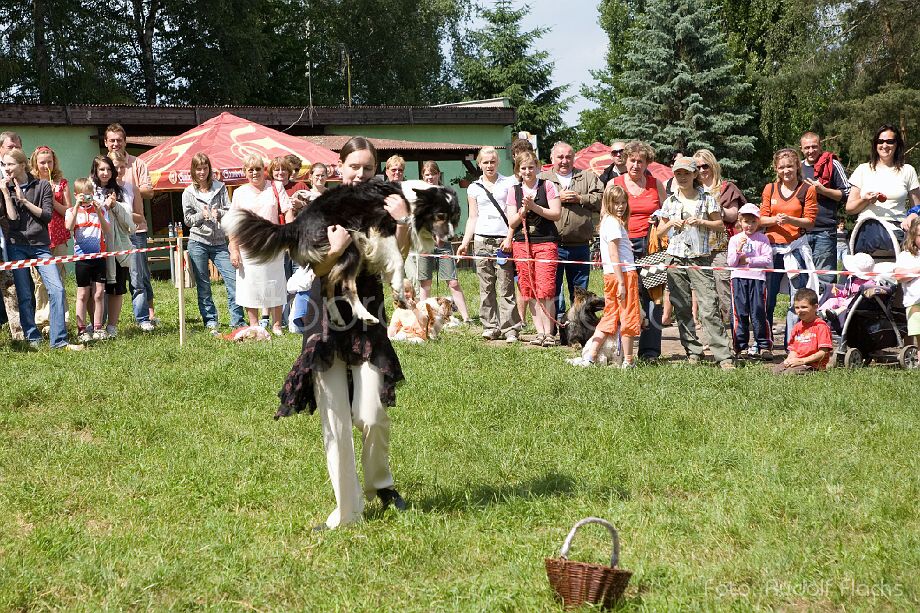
(679, 90)
(499, 60)
(230, 52)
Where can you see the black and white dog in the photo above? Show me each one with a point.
(434, 212)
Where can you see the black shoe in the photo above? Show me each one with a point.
(390, 496)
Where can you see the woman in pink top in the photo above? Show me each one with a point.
(645, 197)
(260, 284)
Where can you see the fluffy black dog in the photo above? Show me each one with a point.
(434, 211)
(581, 319)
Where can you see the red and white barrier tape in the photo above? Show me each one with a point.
(61, 259)
(662, 266)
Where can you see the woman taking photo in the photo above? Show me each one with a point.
(27, 238)
(204, 202)
(486, 227)
(532, 206)
(331, 355)
(260, 285)
(646, 195)
(447, 267)
(881, 193)
(730, 200)
(788, 208)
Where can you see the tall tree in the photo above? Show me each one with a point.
(681, 92)
(500, 60)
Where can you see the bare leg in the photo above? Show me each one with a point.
(253, 315)
(82, 300)
(424, 290)
(115, 304)
(276, 317)
(456, 293)
(98, 306)
(628, 342)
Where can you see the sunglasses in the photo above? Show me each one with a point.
(617, 151)
(703, 166)
(885, 141)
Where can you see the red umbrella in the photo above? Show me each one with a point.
(597, 158)
(226, 139)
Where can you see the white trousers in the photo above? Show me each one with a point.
(366, 413)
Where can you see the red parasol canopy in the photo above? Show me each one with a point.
(597, 157)
(226, 139)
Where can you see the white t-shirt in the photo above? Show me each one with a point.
(912, 286)
(565, 180)
(490, 221)
(610, 230)
(895, 184)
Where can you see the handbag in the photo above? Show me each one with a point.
(653, 274)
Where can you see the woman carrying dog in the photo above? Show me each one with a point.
(320, 376)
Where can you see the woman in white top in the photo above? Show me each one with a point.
(487, 227)
(260, 285)
(883, 189)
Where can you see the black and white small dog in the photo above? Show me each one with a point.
(434, 212)
(581, 321)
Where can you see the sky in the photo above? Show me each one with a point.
(576, 43)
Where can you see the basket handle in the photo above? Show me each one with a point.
(615, 555)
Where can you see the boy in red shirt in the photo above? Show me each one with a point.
(811, 344)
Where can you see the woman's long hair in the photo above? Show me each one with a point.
(898, 157)
(113, 181)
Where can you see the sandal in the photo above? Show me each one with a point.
(537, 340)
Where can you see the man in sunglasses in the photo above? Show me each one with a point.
(822, 170)
(619, 163)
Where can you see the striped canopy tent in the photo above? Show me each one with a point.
(227, 140)
(597, 158)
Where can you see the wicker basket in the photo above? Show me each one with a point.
(577, 583)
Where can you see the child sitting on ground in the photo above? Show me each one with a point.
(406, 324)
(88, 221)
(621, 281)
(749, 249)
(810, 343)
(908, 263)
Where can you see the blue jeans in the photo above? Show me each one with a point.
(141, 289)
(823, 245)
(650, 337)
(200, 253)
(774, 282)
(25, 293)
(576, 275)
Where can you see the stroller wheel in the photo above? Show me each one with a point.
(907, 357)
(854, 358)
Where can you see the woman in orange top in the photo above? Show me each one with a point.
(787, 210)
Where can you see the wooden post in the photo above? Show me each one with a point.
(180, 274)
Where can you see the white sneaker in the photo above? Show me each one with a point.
(511, 337)
(100, 335)
(146, 326)
(627, 365)
(580, 361)
(84, 337)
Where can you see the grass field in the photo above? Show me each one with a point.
(136, 475)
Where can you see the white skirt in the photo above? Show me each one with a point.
(261, 285)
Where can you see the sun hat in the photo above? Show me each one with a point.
(859, 264)
(684, 163)
(750, 209)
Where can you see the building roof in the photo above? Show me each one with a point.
(156, 120)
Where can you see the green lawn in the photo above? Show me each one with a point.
(140, 475)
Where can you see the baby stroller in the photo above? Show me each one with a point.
(873, 322)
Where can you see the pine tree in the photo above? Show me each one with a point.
(499, 60)
(682, 92)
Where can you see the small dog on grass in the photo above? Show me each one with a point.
(439, 312)
(581, 320)
(434, 212)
